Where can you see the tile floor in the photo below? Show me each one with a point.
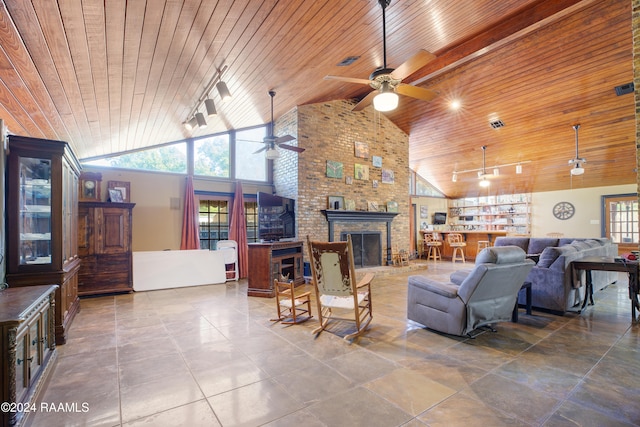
(210, 356)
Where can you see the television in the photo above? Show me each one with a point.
(276, 217)
(439, 218)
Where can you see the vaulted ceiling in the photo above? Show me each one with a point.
(113, 76)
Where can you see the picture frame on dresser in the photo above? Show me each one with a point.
(123, 186)
(115, 196)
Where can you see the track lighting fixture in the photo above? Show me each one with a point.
(195, 118)
(482, 175)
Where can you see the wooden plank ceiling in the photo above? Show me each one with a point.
(113, 76)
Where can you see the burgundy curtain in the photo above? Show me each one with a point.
(238, 231)
(190, 235)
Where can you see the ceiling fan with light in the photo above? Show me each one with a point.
(387, 82)
(271, 141)
(577, 162)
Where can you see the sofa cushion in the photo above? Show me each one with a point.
(521, 242)
(580, 245)
(537, 245)
(593, 243)
(565, 241)
(548, 255)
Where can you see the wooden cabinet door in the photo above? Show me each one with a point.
(113, 230)
(86, 243)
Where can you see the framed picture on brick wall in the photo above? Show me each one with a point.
(361, 172)
(361, 150)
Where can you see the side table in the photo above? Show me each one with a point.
(527, 288)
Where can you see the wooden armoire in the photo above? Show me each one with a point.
(104, 246)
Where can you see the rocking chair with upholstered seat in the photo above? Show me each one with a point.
(337, 293)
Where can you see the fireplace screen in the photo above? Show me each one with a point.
(367, 247)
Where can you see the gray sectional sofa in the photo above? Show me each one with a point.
(553, 285)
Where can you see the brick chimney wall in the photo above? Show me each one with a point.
(329, 131)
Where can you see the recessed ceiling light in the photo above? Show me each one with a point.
(455, 104)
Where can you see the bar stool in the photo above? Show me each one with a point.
(432, 242)
(457, 243)
(483, 244)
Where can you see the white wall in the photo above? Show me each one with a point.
(587, 220)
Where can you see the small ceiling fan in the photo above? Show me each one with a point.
(577, 162)
(271, 141)
(387, 82)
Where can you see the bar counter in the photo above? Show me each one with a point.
(470, 236)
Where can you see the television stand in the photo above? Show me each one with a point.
(270, 261)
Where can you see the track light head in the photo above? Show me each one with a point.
(223, 90)
(191, 123)
(211, 107)
(202, 123)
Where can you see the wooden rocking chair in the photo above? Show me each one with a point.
(291, 306)
(334, 280)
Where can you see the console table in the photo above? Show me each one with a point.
(269, 261)
(591, 263)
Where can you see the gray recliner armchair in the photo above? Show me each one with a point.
(472, 298)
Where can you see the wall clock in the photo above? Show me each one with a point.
(90, 186)
(563, 210)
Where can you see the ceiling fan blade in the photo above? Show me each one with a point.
(284, 138)
(413, 64)
(416, 92)
(291, 147)
(348, 79)
(365, 102)
(261, 150)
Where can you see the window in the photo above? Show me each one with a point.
(212, 156)
(166, 158)
(214, 222)
(249, 164)
(621, 221)
(251, 218)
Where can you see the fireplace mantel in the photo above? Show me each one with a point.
(360, 216)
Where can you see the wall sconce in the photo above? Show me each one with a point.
(496, 172)
(454, 178)
(518, 168)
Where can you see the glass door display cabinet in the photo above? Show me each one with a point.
(42, 212)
